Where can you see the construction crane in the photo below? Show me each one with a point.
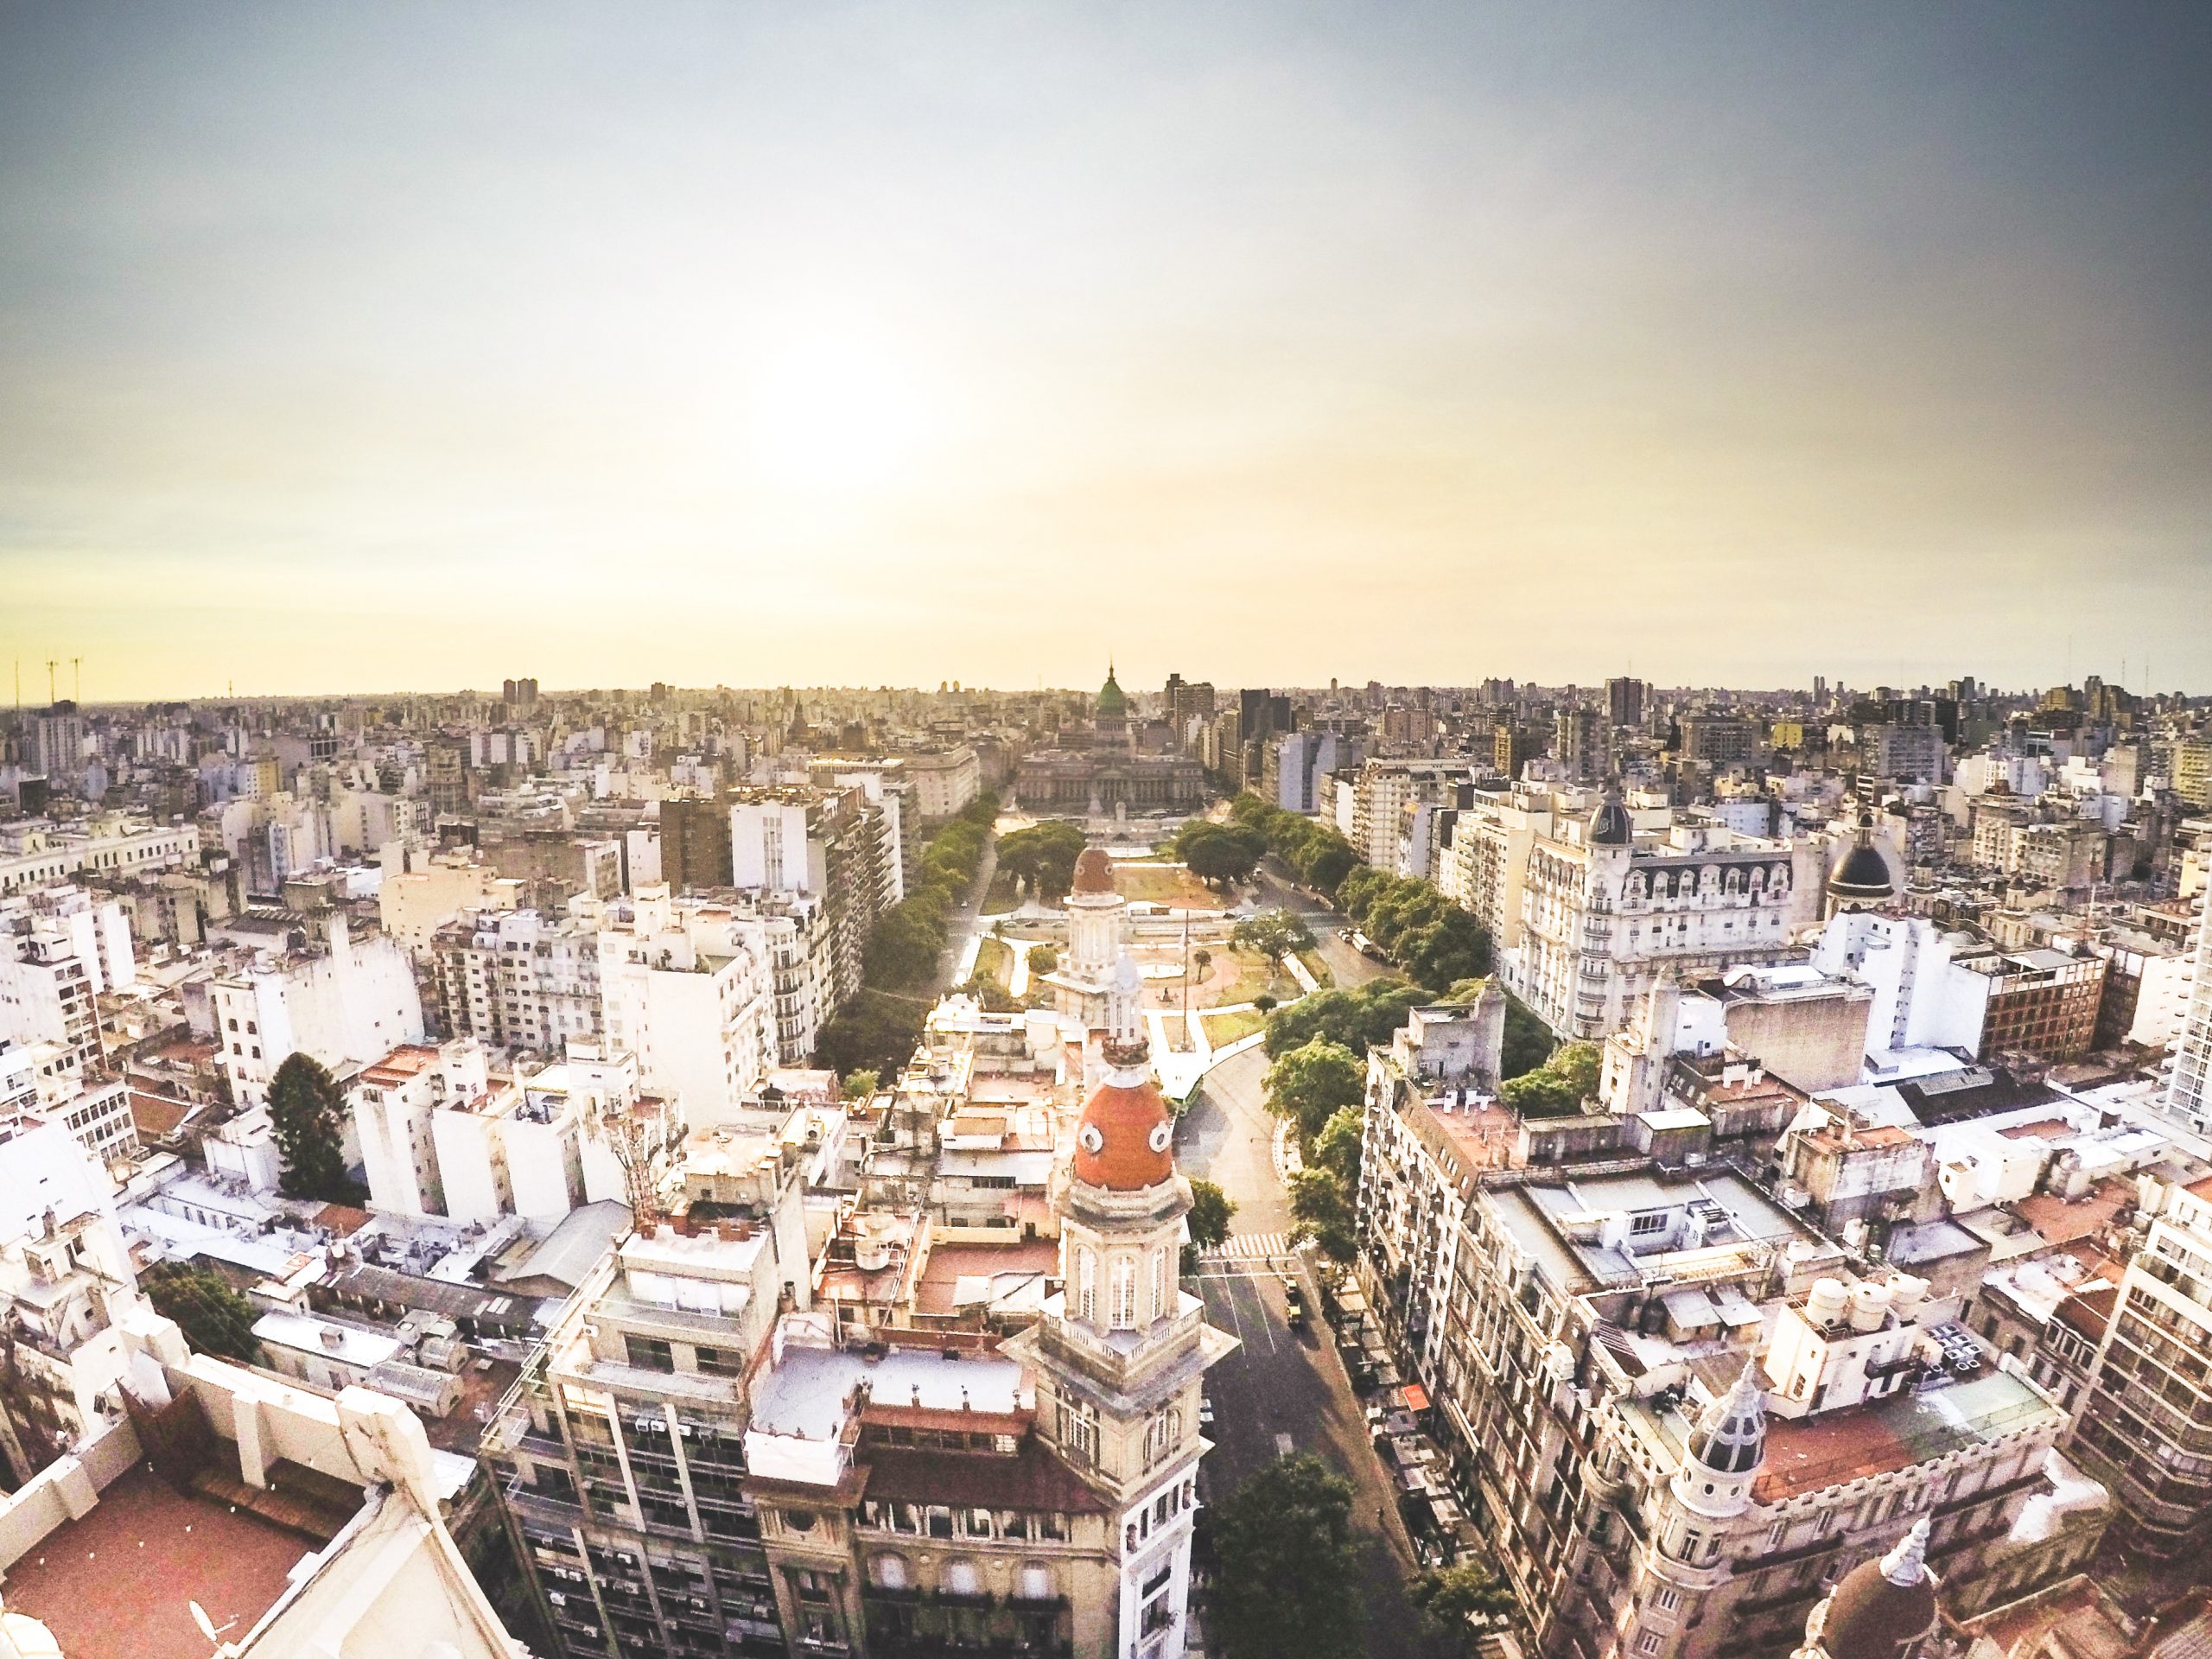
(77, 667)
(52, 663)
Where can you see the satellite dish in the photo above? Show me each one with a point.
(207, 1626)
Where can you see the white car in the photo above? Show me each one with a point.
(1205, 1411)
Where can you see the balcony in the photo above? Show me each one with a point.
(890, 1645)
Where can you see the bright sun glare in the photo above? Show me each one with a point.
(832, 411)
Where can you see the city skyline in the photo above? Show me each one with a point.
(341, 353)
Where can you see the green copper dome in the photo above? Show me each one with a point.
(1113, 704)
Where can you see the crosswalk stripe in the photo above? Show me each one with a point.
(1249, 1247)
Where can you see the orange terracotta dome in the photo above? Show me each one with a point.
(1094, 871)
(1124, 1142)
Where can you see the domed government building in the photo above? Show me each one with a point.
(1112, 767)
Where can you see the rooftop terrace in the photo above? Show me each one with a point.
(1885, 1435)
(118, 1582)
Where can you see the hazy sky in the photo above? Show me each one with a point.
(368, 346)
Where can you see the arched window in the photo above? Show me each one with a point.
(1162, 1435)
(889, 1572)
(1124, 1290)
(962, 1578)
(1086, 1282)
(1161, 1289)
(1036, 1582)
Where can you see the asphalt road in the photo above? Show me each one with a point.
(969, 919)
(1328, 925)
(1283, 1390)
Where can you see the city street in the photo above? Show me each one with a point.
(1282, 1390)
(1328, 924)
(969, 922)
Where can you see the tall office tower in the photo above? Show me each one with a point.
(2144, 1430)
(2189, 1090)
(1624, 700)
(1578, 744)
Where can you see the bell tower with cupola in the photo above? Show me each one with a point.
(1121, 1352)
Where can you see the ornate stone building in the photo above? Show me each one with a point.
(1097, 924)
(1605, 907)
(1120, 1353)
(922, 1494)
(1102, 772)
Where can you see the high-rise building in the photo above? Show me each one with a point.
(621, 1459)
(1719, 740)
(689, 989)
(2188, 1089)
(834, 845)
(1624, 700)
(60, 950)
(57, 741)
(2145, 1428)
(333, 997)
(695, 844)
(1578, 745)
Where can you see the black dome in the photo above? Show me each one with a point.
(1863, 878)
(1863, 874)
(1729, 1437)
(1609, 824)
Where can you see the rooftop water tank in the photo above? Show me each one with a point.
(1827, 1303)
(1870, 1306)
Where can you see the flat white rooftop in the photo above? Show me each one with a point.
(804, 1392)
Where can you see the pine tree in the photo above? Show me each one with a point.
(304, 1111)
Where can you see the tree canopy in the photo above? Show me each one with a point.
(1310, 1085)
(1558, 1088)
(1219, 853)
(214, 1318)
(1291, 1580)
(1324, 1195)
(1324, 1213)
(1042, 857)
(306, 1114)
(1415, 926)
(1210, 1208)
(1273, 933)
(905, 947)
(1461, 1602)
(1357, 1018)
(877, 1031)
(1319, 855)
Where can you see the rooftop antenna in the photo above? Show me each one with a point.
(77, 667)
(51, 664)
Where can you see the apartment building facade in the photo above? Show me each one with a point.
(1604, 909)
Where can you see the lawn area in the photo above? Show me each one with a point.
(1223, 1029)
(1317, 968)
(1003, 896)
(1238, 976)
(1165, 884)
(994, 961)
